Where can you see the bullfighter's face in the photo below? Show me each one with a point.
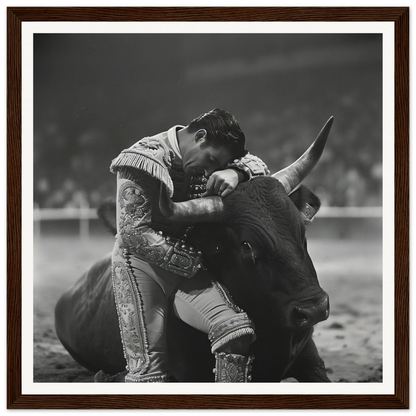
(202, 157)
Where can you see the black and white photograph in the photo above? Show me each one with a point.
(207, 207)
(187, 225)
(210, 206)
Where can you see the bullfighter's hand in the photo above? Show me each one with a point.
(222, 182)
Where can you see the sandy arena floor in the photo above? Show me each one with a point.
(350, 341)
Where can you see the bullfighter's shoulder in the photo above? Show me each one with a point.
(149, 155)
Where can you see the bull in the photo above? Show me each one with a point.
(254, 244)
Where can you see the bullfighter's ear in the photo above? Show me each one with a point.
(200, 134)
(308, 212)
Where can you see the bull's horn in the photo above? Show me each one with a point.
(294, 174)
(208, 209)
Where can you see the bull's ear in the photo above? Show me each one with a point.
(306, 202)
(308, 212)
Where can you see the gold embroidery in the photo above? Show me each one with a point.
(131, 318)
(232, 368)
(251, 165)
(135, 207)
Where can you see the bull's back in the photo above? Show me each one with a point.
(86, 321)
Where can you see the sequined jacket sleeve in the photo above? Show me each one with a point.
(134, 215)
(251, 165)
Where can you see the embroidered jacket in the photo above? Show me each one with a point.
(142, 230)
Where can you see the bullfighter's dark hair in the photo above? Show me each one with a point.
(222, 130)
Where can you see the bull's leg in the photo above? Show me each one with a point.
(309, 366)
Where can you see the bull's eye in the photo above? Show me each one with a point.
(246, 246)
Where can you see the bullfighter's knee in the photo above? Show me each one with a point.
(234, 335)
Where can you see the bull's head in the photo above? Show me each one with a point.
(259, 251)
(260, 254)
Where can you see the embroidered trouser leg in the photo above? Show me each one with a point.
(142, 292)
(206, 306)
(142, 305)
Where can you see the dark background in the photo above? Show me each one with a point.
(96, 94)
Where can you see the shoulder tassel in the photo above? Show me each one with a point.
(146, 164)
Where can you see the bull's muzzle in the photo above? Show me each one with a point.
(311, 311)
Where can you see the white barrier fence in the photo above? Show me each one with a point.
(350, 212)
(85, 214)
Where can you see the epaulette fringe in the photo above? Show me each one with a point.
(144, 163)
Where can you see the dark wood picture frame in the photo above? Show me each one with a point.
(15, 399)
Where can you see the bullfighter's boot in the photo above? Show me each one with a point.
(232, 368)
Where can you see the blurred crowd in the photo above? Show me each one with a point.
(94, 96)
(349, 173)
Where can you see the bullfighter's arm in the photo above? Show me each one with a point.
(134, 206)
(240, 170)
